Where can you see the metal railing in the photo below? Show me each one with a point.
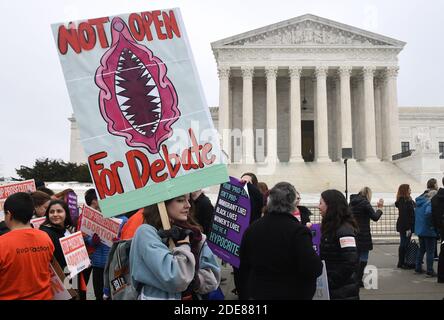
(385, 227)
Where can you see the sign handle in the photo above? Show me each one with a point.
(165, 220)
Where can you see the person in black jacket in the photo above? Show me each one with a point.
(58, 224)
(363, 211)
(203, 210)
(405, 222)
(257, 204)
(338, 245)
(438, 223)
(277, 260)
(302, 213)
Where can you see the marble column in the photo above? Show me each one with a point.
(369, 114)
(271, 74)
(224, 110)
(247, 115)
(392, 107)
(338, 118)
(378, 117)
(345, 108)
(321, 133)
(295, 114)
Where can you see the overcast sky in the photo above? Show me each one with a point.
(34, 100)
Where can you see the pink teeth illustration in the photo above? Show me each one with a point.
(137, 99)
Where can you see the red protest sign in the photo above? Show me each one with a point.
(94, 222)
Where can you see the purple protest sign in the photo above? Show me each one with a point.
(316, 236)
(71, 200)
(231, 219)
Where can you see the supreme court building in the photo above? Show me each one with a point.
(303, 94)
(307, 89)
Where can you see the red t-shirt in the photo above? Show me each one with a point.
(25, 255)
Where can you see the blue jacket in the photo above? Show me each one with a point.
(423, 215)
(163, 273)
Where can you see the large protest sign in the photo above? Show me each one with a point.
(231, 219)
(144, 123)
(316, 236)
(11, 188)
(94, 222)
(58, 281)
(75, 253)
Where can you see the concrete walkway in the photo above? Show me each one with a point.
(393, 283)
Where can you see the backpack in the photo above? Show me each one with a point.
(117, 276)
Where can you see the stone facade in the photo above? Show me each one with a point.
(338, 80)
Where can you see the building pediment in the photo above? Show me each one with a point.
(308, 30)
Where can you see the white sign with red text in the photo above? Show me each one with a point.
(11, 188)
(75, 253)
(94, 222)
(57, 287)
(37, 222)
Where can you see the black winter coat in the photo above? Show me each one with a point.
(204, 212)
(438, 211)
(305, 215)
(363, 212)
(257, 202)
(277, 260)
(406, 217)
(341, 262)
(55, 234)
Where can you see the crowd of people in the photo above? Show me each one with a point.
(277, 258)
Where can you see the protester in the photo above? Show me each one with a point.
(405, 222)
(41, 202)
(302, 213)
(257, 206)
(203, 210)
(438, 223)
(363, 211)
(25, 254)
(424, 228)
(263, 188)
(277, 260)
(338, 245)
(130, 227)
(160, 273)
(48, 191)
(58, 224)
(99, 250)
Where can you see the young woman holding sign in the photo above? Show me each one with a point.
(338, 245)
(160, 273)
(58, 224)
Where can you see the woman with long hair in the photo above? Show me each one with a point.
(183, 272)
(360, 205)
(338, 245)
(405, 222)
(58, 224)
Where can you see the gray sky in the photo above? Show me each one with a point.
(35, 104)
